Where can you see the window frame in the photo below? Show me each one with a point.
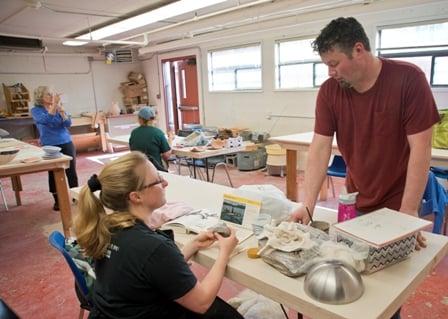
(433, 54)
(278, 65)
(210, 69)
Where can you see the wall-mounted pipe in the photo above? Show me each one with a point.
(270, 116)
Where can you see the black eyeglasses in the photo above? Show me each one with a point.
(159, 181)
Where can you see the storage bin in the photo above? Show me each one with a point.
(248, 161)
(276, 159)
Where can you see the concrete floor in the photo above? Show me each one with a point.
(36, 282)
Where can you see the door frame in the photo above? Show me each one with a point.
(179, 55)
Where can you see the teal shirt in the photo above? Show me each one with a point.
(149, 140)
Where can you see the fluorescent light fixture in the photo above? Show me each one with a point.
(74, 43)
(171, 10)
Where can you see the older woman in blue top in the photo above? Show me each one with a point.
(53, 122)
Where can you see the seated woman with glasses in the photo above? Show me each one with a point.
(140, 272)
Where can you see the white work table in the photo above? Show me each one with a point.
(301, 142)
(385, 290)
(188, 152)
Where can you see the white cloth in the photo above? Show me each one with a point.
(286, 237)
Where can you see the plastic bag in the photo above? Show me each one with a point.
(273, 201)
(298, 262)
(294, 263)
(194, 139)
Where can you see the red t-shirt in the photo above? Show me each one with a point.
(371, 130)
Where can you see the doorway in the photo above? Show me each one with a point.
(180, 83)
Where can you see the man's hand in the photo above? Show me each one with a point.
(421, 241)
(300, 215)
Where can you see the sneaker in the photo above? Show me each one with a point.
(56, 206)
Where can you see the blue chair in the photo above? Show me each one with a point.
(336, 169)
(439, 171)
(435, 199)
(57, 240)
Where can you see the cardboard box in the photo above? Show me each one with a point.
(134, 90)
(135, 77)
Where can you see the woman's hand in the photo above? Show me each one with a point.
(56, 99)
(200, 241)
(227, 244)
(204, 240)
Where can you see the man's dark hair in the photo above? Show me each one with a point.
(342, 33)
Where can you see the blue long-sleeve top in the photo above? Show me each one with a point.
(53, 129)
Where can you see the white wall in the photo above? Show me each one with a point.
(87, 86)
(251, 109)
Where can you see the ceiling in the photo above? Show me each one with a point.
(56, 20)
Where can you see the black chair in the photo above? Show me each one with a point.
(6, 312)
(212, 163)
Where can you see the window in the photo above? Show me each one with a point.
(297, 65)
(424, 45)
(235, 69)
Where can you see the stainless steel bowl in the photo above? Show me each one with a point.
(333, 282)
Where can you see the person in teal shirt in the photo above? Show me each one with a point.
(149, 139)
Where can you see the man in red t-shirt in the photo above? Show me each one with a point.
(382, 112)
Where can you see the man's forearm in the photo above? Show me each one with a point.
(416, 179)
(315, 173)
(417, 174)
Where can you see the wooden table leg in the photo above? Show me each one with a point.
(63, 200)
(103, 136)
(291, 175)
(17, 187)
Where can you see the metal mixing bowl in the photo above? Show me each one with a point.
(333, 282)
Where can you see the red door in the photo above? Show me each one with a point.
(188, 92)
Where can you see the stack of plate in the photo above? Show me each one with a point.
(51, 152)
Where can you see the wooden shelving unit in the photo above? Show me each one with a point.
(17, 98)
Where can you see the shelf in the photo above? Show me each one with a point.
(17, 97)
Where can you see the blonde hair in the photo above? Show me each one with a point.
(93, 226)
(39, 94)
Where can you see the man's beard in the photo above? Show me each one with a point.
(344, 84)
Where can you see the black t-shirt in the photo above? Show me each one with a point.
(141, 276)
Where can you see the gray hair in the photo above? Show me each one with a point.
(39, 94)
